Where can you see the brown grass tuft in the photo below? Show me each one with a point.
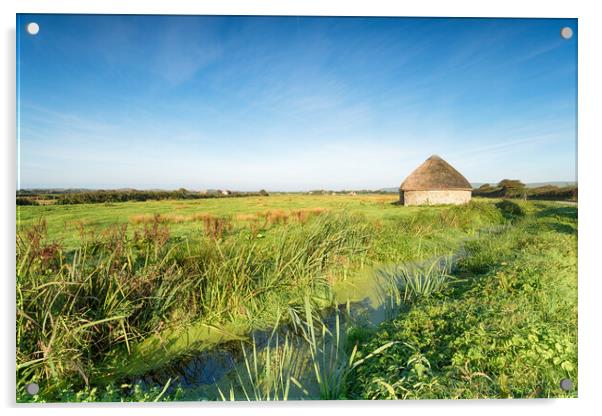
(274, 217)
(216, 227)
(302, 215)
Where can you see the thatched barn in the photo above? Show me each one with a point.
(435, 182)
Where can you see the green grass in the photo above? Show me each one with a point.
(108, 292)
(64, 220)
(508, 330)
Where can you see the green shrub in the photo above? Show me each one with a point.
(26, 201)
(510, 209)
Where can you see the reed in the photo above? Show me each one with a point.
(426, 280)
(314, 360)
(119, 287)
(292, 365)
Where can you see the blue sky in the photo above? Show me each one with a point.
(288, 103)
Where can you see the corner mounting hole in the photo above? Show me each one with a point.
(566, 384)
(33, 28)
(566, 32)
(32, 389)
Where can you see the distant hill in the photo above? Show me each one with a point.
(392, 190)
(538, 184)
(26, 191)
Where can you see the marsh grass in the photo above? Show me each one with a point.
(115, 290)
(82, 312)
(479, 325)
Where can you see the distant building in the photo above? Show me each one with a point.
(226, 192)
(435, 182)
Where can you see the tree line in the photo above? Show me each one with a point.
(110, 196)
(511, 188)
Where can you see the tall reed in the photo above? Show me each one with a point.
(78, 308)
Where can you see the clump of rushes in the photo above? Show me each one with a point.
(295, 364)
(427, 279)
(265, 374)
(313, 360)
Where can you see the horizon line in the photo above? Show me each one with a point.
(122, 188)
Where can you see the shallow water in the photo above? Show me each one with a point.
(368, 299)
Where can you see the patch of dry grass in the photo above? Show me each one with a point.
(169, 218)
(302, 215)
(246, 217)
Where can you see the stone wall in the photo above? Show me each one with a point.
(434, 197)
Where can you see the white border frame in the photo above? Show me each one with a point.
(590, 288)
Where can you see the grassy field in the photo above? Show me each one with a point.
(64, 221)
(109, 292)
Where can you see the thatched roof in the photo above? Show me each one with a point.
(435, 174)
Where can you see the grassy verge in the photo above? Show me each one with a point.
(507, 329)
